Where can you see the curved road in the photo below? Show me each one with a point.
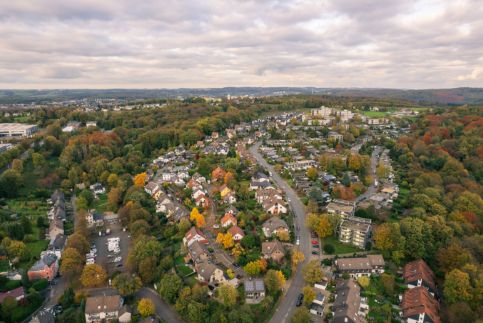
(287, 306)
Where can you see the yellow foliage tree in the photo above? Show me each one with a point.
(140, 179)
(228, 241)
(297, 257)
(145, 307)
(197, 217)
(283, 235)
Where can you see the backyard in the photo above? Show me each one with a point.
(340, 248)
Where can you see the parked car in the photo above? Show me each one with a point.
(315, 242)
(300, 300)
(315, 252)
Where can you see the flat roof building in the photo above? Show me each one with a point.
(17, 130)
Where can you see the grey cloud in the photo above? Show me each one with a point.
(175, 43)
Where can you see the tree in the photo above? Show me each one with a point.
(457, 287)
(227, 295)
(8, 305)
(254, 268)
(78, 242)
(197, 217)
(274, 280)
(313, 272)
(127, 284)
(93, 276)
(72, 263)
(309, 294)
(140, 179)
(283, 235)
(15, 249)
(364, 281)
(297, 257)
(389, 283)
(147, 269)
(312, 174)
(301, 315)
(329, 248)
(169, 287)
(146, 307)
(453, 256)
(17, 165)
(461, 313)
(320, 225)
(10, 182)
(38, 160)
(114, 197)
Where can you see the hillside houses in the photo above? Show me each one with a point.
(193, 235)
(166, 204)
(418, 274)
(419, 306)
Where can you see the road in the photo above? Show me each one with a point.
(287, 306)
(371, 189)
(163, 310)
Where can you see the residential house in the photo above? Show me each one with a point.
(56, 228)
(341, 207)
(254, 290)
(198, 192)
(198, 252)
(224, 190)
(230, 198)
(335, 136)
(274, 207)
(210, 273)
(227, 220)
(274, 225)
(106, 308)
(273, 250)
(193, 235)
(418, 306)
(97, 188)
(17, 293)
(268, 194)
(202, 201)
(347, 303)
(355, 230)
(237, 233)
(417, 273)
(317, 306)
(232, 210)
(151, 188)
(94, 219)
(361, 266)
(46, 268)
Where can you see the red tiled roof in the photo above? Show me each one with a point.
(417, 301)
(418, 269)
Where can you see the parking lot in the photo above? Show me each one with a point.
(106, 258)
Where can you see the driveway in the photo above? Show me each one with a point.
(163, 309)
(287, 306)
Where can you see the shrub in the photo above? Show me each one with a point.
(329, 249)
(40, 284)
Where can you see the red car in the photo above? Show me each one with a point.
(315, 242)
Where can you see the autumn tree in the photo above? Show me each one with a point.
(256, 267)
(301, 315)
(227, 295)
(312, 173)
(283, 235)
(313, 272)
(93, 276)
(364, 281)
(320, 224)
(226, 240)
(72, 263)
(140, 179)
(78, 242)
(297, 257)
(197, 218)
(309, 295)
(274, 280)
(146, 307)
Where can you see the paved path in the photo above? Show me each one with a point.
(163, 309)
(287, 306)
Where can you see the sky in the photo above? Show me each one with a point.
(217, 43)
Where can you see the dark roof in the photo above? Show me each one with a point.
(254, 285)
(347, 302)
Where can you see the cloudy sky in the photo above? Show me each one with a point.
(215, 43)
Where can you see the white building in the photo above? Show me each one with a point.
(17, 130)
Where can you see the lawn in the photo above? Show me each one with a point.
(4, 266)
(374, 114)
(184, 270)
(100, 203)
(340, 248)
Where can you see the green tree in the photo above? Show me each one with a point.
(127, 284)
(169, 287)
(72, 263)
(227, 295)
(457, 287)
(78, 242)
(301, 315)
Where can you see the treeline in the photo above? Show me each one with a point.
(441, 165)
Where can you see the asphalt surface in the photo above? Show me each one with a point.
(374, 161)
(287, 306)
(163, 310)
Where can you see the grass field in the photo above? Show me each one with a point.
(340, 248)
(3, 266)
(374, 114)
(184, 270)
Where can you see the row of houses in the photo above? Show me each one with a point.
(173, 210)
